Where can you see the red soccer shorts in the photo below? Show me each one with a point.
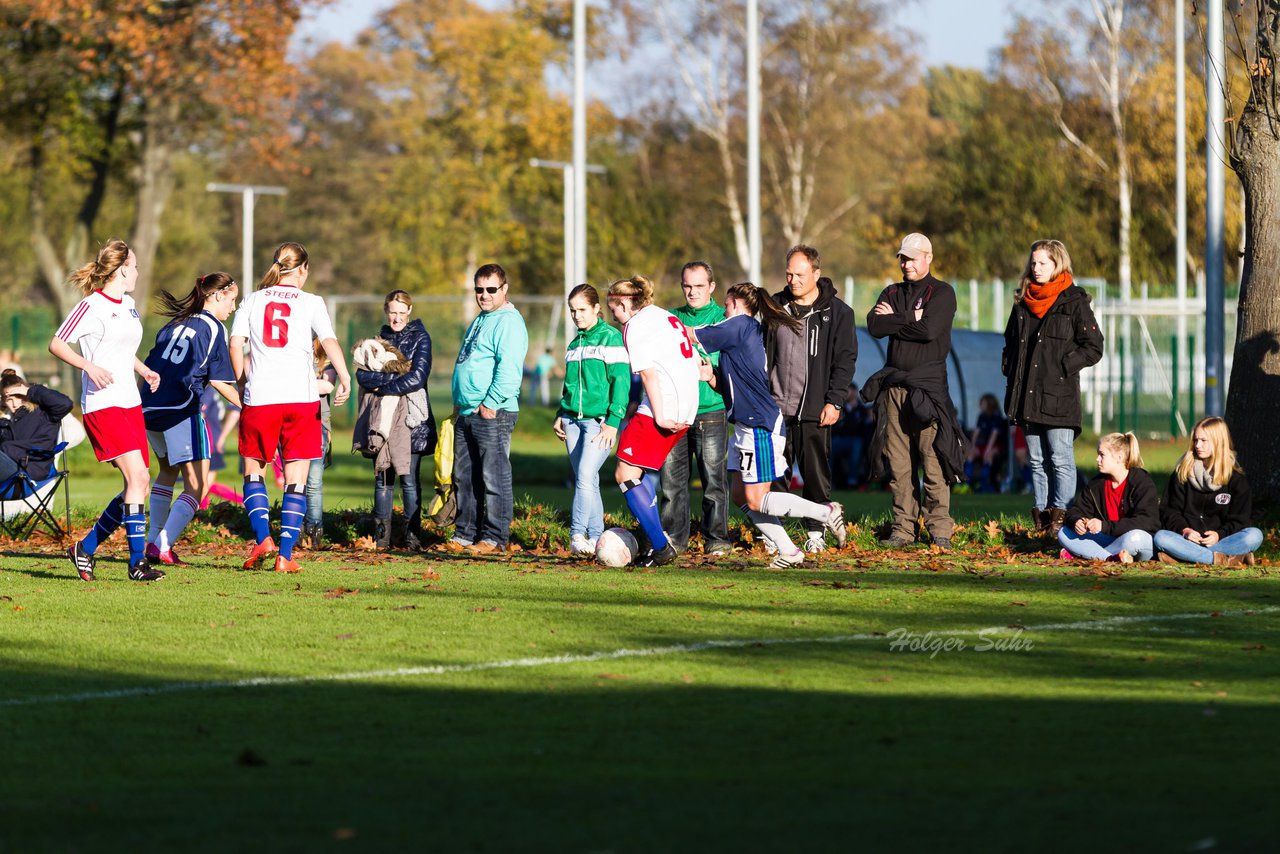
(116, 431)
(646, 445)
(293, 428)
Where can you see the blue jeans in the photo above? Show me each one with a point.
(847, 453)
(708, 437)
(384, 489)
(1053, 480)
(315, 487)
(1102, 546)
(1239, 543)
(586, 458)
(482, 477)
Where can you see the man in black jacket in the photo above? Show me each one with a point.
(916, 317)
(810, 374)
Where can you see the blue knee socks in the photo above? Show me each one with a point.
(255, 502)
(105, 526)
(644, 506)
(293, 509)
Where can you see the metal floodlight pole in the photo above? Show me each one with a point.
(570, 186)
(247, 193)
(1180, 147)
(753, 141)
(580, 140)
(1214, 289)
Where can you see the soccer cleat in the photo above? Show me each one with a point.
(168, 558)
(787, 561)
(284, 564)
(835, 524)
(661, 557)
(580, 545)
(81, 561)
(143, 571)
(262, 552)
(815, 544)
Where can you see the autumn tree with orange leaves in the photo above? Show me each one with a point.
(121, 89)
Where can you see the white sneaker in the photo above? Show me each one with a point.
(580, 545)
(815, 545)
(787, 561)
(769, 547)
(835, 524)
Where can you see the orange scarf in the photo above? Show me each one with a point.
(1040, 298)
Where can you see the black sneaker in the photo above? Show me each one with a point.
(662, 557)
(81, 561)
(143, 571)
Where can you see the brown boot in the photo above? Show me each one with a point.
(1165, 557)
(1039, 520)
(1219, 559)
(1250, 560)
(1056, 517)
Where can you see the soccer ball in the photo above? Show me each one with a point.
(616, 547)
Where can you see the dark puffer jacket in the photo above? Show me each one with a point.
(1044, 383)
(25, 429)
(415, 343)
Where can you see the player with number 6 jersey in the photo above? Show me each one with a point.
(661, 354)
(281, 400)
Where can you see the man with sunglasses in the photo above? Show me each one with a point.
(486, 395)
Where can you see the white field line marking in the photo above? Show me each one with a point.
(1106, 624)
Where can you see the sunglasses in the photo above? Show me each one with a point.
(489, 290)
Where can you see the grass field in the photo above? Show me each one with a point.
(987, 700)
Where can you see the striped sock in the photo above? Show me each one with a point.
(255, 501)
(293, 508)
(135, 528)
(184, 510)
(105, 526)
(161, 501)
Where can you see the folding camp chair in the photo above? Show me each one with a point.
(26, 504)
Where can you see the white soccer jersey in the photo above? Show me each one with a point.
(108, 332)
(279, 321)
(655, 339)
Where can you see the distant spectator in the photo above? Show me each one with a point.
(543, 371)
(1051, 337)
(849, 440)
(988, 453)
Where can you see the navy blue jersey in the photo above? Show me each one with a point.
(740, 343)
(188, 354)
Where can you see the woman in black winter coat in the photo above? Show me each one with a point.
(1051, 337)
(33, 417)
(410, 338)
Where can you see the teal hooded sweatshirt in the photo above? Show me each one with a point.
(490, 365)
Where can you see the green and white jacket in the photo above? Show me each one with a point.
(597, 376)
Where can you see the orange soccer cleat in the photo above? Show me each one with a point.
(283, 564)
(261, 553)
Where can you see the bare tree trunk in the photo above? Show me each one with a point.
(155, 186)
(1253, 402)
(732, 202)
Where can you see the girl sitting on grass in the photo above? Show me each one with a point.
(1114, 517)
(1207, 504)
